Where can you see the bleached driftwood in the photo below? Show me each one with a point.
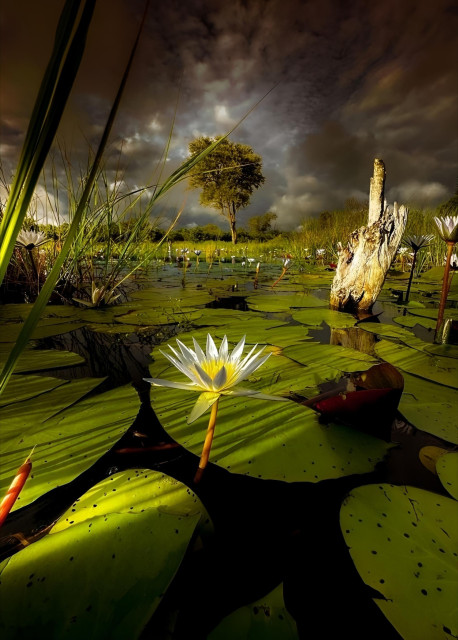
(364, 262)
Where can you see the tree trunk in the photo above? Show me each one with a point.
(232, 217)
(364, 262)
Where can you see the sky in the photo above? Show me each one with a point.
(339, 83)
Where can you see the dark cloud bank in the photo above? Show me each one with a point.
(353, 81)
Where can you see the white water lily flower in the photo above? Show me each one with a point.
(448, 228)
(31, 239)
(214, 372)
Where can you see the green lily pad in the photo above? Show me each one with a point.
(22, 387)
(443, 350)
(387, 330)
(103, 573)
(413, 321)
(224, 317)
(341, 358)
(447, 470)
(68, 443)
(403, 543)
(266, 439)
(17, 420)
(315, 317)
(160, 315)
(265, 619)
(433, 313)
(40, 359)
(283, 302)
(430, 407)
(47, 327)
(266, 332)
(441, 370)
(173, 297)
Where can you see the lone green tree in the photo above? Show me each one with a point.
(227, 176)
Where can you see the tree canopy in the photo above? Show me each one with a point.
(227, 176)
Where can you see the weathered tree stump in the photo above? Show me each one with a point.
(364, 262)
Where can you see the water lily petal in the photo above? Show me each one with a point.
(199, 353)
(240, 391)
(212, 351)
(207, 381)
(189, 373)
(238, 349)
(159, 382)
(255, 364)
(204, 402)
(188, 354)
(223, 349)
(220, 379)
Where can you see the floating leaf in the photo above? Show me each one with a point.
(68, 443)
(282, 441)
(413, 321)
(105, 570)
(387, 330)
(315, 317)
(447, 470)
(41, 359)
(29, 416)
(22, 387)
(160, 315)
(265, 619)
(47, 327)
(403, 543)
(441, 370)
(430, 407)
(275, 301)
(443, 350)
(341, 358)
(429, 456)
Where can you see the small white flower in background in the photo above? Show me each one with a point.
(31, 239)
(448, 228)
(214, 373)
(453, 261)
(197, 252)
(243, 263)
(402, 250)
(286, 263)
(251, 260)
(320, 252)
(418, 242)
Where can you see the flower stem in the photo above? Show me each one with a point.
(411, 276)
(445, 287)
(208, 443)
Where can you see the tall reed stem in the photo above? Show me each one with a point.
(207, 444)
(445, 287)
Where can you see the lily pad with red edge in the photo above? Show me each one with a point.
(371, 408)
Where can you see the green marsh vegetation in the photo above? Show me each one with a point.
(301, 515)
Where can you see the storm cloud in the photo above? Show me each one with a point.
(346, 81)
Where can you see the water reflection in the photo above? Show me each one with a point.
(122, 357)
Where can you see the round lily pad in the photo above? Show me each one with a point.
(274, 301)
(430, 407)
(315, 317)
(447, 470)
(403, 543)
(266, 439)
(265, 619)
(104, 568)
(441, 370)
(67, 443)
